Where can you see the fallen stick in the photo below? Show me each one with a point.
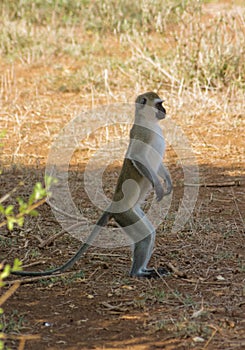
(49, 240)
(216, 184)
(175, 270)
(59, 234)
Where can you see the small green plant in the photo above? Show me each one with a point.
(187, 328)
(7, 242)
(160, 295)
(13, 216)
(5, 271)
(13, 324)
(65, 280)
(16, 216)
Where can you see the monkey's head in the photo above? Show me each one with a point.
(150, 99)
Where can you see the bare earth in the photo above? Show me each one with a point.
(201, 304)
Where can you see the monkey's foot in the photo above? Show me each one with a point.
(152, 273)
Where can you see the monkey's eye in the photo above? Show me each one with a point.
(143, 101)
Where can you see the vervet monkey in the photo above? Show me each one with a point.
(140, 172)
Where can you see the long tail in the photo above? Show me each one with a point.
(103, 220)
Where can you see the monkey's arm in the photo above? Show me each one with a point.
(164, 174)
(149, 173)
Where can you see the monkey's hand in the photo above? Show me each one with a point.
(169, 186)
(147, 172)
(159, 190)
(164, 174)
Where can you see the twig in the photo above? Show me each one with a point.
(6, 196)
(210, 338)
(216, 184)
(19, 337)
(93, 273)
(9, 292)
(59, 234)
(215, 330)
(51, 239)
(35, 263)
(38, 278)
(211, 283)
(181, 300)
(176, 271)
(111, 255)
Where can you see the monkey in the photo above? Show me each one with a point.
(140, 172)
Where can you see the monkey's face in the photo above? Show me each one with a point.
(161, 111)
(148, 103)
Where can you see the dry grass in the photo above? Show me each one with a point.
(192, 55)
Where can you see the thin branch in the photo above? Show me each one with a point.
(216, 184)
(7, 195)
(49, 240)
(9, 292)
(20, 215)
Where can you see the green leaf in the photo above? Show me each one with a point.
(17, 265)
(20, 221)
(33, 212)
(20, 200)
(38, 193)
(2, 210)
(31, 199)
(6, 271)
(49, 181)
(22, 206)
(9, 210)
(10, 223)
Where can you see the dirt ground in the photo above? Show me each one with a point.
(200, 305)
(103, 308)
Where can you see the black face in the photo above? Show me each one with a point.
(162, 111)
(152, 100)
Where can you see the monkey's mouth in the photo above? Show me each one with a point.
(160, 111)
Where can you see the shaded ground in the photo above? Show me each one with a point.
(105, 309)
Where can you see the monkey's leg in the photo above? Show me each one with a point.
(147, 272)
(141, 255)
(146, 244)
(136, 225)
